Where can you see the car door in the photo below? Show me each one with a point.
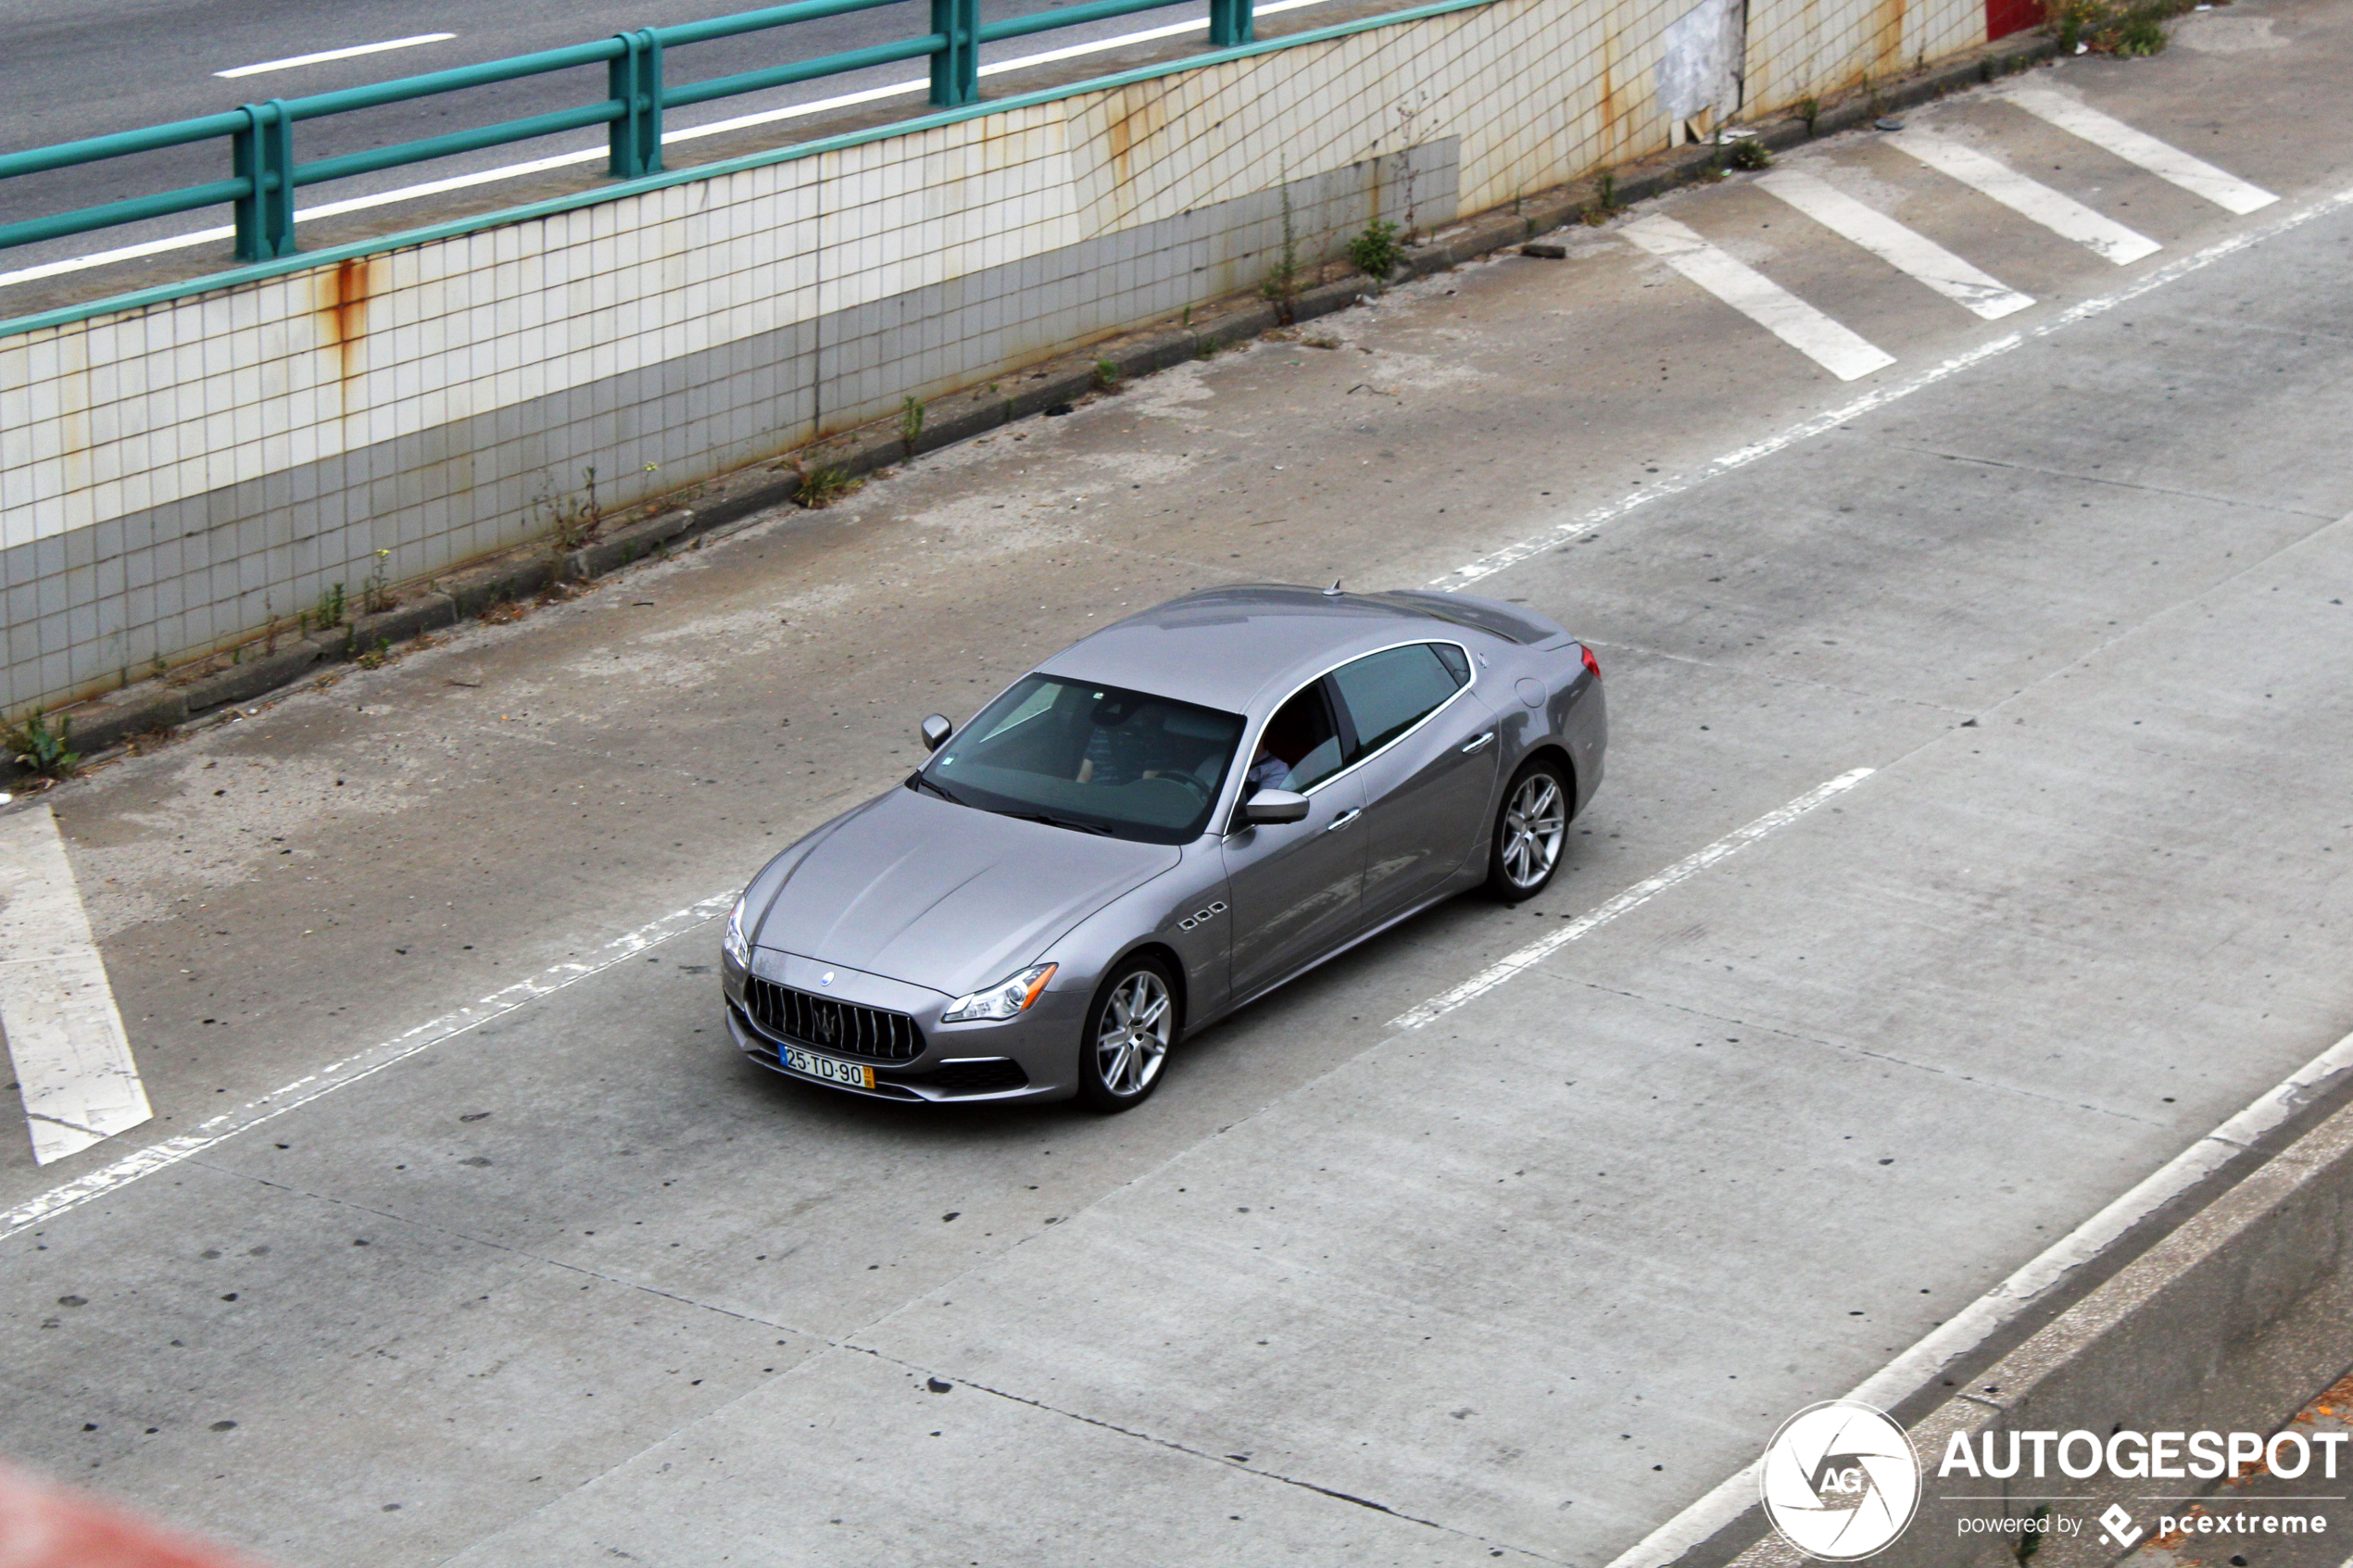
(1296, 888)
(1426, 746)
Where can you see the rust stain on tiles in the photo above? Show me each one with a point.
(343, 308)
(1617, 109)
(1136, 115)
(1887, 37)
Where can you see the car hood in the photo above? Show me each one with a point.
(948, 896)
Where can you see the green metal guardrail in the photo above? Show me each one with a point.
(264, 174)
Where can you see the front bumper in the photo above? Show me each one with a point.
(1034, 1057)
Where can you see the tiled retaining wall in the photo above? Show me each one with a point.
(173, 476)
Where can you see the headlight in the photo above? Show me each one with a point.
(1002, 1000)
(734, 943)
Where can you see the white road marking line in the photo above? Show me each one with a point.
(1642, 892)
(352, 1069)
(2162, 159)
(325, 55)
(590, 155)
(2063, 215)
(1913, 254)
(1587, 523)
(72, 1059)
(1755, 295)
(1971, 1326)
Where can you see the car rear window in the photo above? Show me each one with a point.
(1479, 615)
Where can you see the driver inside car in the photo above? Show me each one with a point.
(1289, 735)
(1120, 741)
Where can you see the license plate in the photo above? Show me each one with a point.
(825, 1067)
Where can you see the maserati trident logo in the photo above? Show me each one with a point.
(1840, 1480)
(828, 1021)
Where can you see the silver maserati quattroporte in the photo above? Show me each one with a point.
(1165, 820)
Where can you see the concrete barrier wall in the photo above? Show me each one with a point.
(175, 477)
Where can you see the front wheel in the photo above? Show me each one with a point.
(1529, 831)
(1130, 1031)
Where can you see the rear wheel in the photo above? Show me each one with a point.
(1529, 831)
(1130, 1031)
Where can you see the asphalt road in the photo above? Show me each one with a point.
(85, 71)
(1527, 1280)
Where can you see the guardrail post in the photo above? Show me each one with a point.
(1230, 22)
(634, 76)
(955, 70)
(263, 155)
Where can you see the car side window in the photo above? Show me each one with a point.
(1389, 693)
(1299, 748)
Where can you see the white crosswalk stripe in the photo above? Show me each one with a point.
(65, 1038)
(1756, 296)
(2063, 215)
(2163, 159)
(1913, 254)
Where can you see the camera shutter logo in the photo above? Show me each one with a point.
(1840, 1480)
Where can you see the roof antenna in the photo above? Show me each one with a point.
(1332, 591)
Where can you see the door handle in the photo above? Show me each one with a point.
(1344, 819)
(1480, 744)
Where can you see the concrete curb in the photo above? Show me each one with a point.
(104, 726)
(2228, 1322)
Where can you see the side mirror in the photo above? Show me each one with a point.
(1271, 806)
(937, 729)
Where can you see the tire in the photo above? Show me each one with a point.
(1130, 1030)
(1531, 828)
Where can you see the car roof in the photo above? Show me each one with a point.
(1230, 649)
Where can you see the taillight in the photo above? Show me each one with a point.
(1593, 665)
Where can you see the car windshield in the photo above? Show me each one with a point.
(1093, 758)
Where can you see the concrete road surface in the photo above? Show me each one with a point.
(1525, 1281)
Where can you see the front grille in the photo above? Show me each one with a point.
(978, 1077)
(822, 1023)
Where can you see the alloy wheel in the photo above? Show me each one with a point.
(1132, 1041)
(1535, 820)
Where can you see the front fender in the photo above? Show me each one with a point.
(1182, 911)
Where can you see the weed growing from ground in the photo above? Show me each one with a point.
(822, 487)
(910, 425)
(2108, 27)
(375, 596)
(1106, 376)
(573, 520)
(1376, 252)
(1282, 279)
(2143, 32)
(1605, 206)
(1750, 153)
(46, 752)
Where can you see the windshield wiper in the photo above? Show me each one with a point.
(1059, 823)
(916, 780)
